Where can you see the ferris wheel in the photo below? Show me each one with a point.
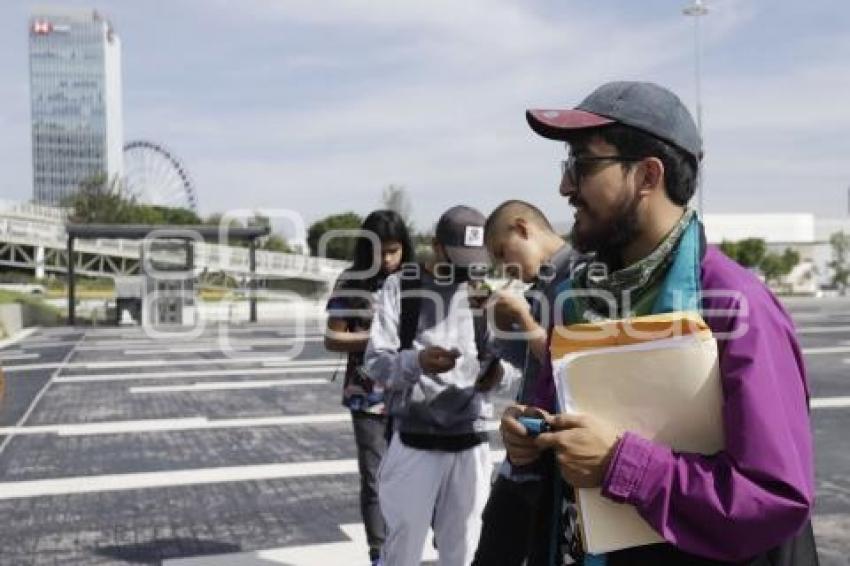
(155, 176)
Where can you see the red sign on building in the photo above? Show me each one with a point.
(42, 27)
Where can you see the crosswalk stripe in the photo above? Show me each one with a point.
(172, 425)
(176, 478)
(162, 363)
(227, 385)
(145, 426)
(830, 402)
(279, 370)
(822, 329)
(827, 350)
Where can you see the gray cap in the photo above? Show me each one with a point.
(461, 231)
(645, 106)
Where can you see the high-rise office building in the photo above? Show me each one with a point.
(75, 91)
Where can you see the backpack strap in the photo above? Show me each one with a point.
(479, 322)
(411, 303)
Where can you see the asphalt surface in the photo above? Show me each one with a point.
(116, 448)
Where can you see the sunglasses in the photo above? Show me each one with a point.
(575, 168)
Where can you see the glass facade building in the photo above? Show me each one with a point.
(75, 90)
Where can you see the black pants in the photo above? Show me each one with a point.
(517, 523)
(370, 436)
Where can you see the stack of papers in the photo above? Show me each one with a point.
(656, 376)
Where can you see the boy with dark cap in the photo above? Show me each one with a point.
(431, 351)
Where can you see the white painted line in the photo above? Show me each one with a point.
(38, 397)
(209, 336)
(107, 334)
(31, 367)
(830, 403)
(340, 361)
(10, 357)
(185, 350)
(183, 424)
(18, 337)
(209, 343)
(805, 315)
(32, 345)
(236, 360)
(827, 350)
(172, 425)
(113, 427)
(822, 329)
(283, 370)
(174, 478)
(348, 552)
(228, 385)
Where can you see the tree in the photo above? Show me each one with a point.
(259, 220)
(791, 258)
(750, 252)
(341, 247)
(177, 216)
(216, 218)
(840, 265)
(730, 249)
(276, 243)
(97, 201)
(775, 266)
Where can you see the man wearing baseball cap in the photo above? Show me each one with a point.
(631, 169)
(432, 352)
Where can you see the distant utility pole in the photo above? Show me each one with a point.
(697, 10)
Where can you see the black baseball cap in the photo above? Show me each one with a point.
(461, 232)
(642, 105)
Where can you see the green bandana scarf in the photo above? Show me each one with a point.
(632, 288)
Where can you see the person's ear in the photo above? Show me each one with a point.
(651, 175)
(489, 244)
(520, 225)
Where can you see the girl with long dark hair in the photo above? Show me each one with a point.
(349, 317)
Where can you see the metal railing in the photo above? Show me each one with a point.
(50, 233)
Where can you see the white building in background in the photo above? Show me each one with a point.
(807, 235)
(75, 98)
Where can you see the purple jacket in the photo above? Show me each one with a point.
(759, 491)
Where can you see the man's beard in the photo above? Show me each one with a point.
(607, 239)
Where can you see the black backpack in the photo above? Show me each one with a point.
(411, 304)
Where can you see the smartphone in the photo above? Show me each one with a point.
(486, 368)
(534, 426)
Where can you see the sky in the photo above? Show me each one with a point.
(314, 106)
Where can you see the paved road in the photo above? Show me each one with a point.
(116, 448)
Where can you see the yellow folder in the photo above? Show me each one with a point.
(656, 376)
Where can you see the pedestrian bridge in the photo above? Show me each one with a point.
(34, 237)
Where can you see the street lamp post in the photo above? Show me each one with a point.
(697, 10)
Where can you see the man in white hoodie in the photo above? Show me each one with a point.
(437, 377)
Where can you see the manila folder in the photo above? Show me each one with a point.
(665, 390)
